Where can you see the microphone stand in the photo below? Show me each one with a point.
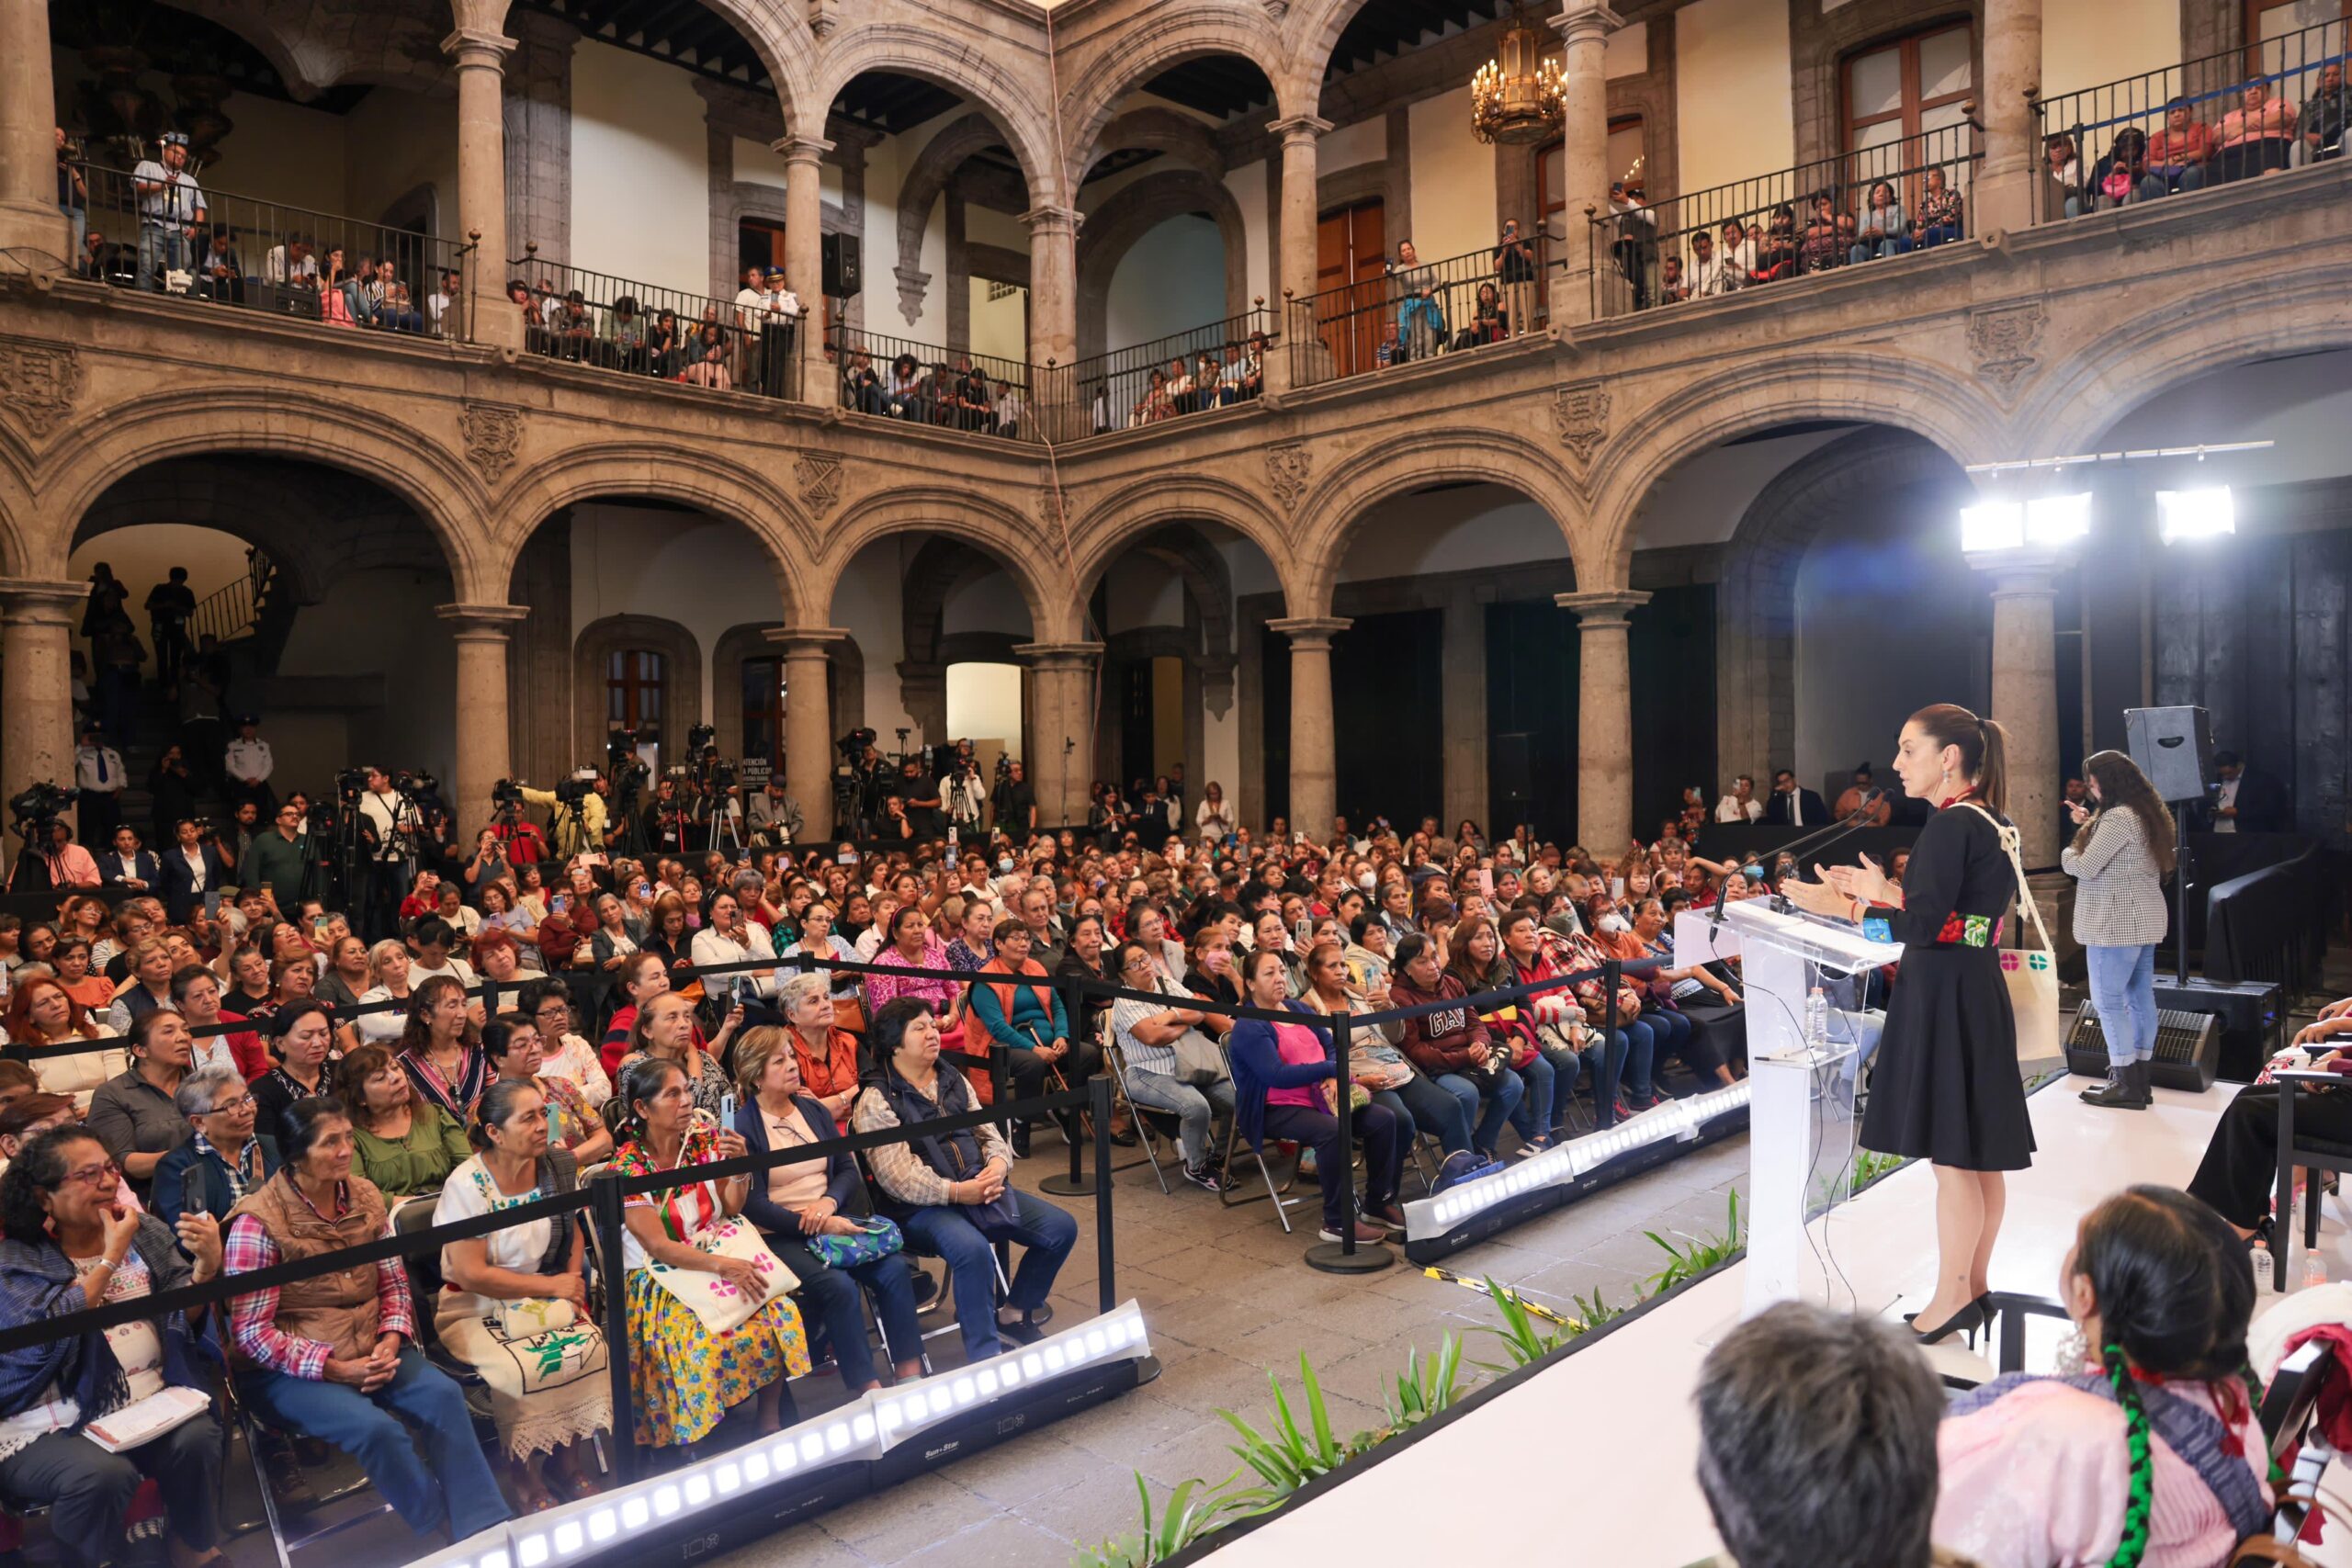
(1814, 843)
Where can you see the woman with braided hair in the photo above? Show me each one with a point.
(2143, 1449)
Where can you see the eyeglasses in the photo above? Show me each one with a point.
(230, 1106)
(99, 1176)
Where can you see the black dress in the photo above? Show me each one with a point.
(1946, 1086)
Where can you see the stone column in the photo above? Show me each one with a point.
(28, 215)
(1053, 397)
(922, 691)
(2003, 194)
(808, 722)
(2025, 692)
(480, 53)
(804, 265)
(1314, 783)
(1302, 211)
(1584, 27)
(480, 632)
(1604, 718)
(1061, 684)
(36, 676)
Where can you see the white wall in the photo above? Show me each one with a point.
(1453, 179)
(396, 141)
(1453, 530)
(640, 170)
(705, 574)
(984, 704)
(990, 602)
(2088, 44)
(867, 605)
(886, 173)
(1171, 280)
(1734, 89)
(1248, 184)
(1365, 141)
(999, 326)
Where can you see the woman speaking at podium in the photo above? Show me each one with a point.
(1946, 1084)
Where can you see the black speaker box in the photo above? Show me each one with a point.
(2188, 1048)
(844, 278)
(2174, 746)
(2251, 1014)
(285, 299)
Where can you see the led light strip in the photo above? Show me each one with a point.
(1426, 1218)
(865, 1429)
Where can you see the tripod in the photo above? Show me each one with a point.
(32, 873)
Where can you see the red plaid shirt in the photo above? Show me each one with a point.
(253, 1320)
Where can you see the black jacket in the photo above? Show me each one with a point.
(179, 889)
(843, 1183)
(1817, 814)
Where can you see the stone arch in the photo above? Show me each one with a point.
(1170, 35)
(1314, 30)
(994, 90)
(2090, 389)
(116, 442)
(1333, 508)
(724, 489)
(926, 179)
(1133, 211)
(1018, 544)
(941, 567)
(1946, 408)
(845, 680)
(1180, 136)
(1116, 521)
(682, 667)
(1757, 596)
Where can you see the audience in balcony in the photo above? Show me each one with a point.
(1882, 229)
(2257, 137)
(2322, 122)
(2179, 155)
(171, 211)
(1941, 210)
(1420, 319)
(2062, 174)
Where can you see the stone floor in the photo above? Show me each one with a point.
(1229, 1302)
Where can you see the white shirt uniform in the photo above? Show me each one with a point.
(179, 201)
(249, 759)
(1728, 809)
(2229, 796)
(98, 768)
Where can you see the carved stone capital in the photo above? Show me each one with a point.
(39, 383)
(1586, 21)
(801, 149)
(1299, 127)
(482, 623)
(913, 284)
(1310, 633)
(1602, 609)
(478, 46)
(805, 642)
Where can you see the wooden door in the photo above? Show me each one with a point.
(1350, 271)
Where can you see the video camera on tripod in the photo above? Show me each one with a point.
(38, 810)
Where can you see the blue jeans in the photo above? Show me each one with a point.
(829, 1296)
(1939, 233)
(454, 1479)
(2123, 988)
(1422, 1105)
(1534, 1117)
(163, 249)
(950, 1231)
(1195, 1108)
(1625, 1065)
(1499, 1106)
(1881, 245)
(1671, 1034)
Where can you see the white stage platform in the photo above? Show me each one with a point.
(1592, 1461)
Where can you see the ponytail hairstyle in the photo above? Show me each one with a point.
(2174, 1299)
(1984, 748)
(2122, 786)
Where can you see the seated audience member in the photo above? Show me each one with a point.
(150, 988)
(196, 992)
(1146, 1034)
(2062, 174)
(1451, 1045)
(2239, 1175)
(533, 1276)
(345, 978)
(1671, 1033)
(1476, 962)
(2321, 124)
(1416, 1102)
(2122, 176)
(71, 1246)
(642, 978)
(826, 1056)
(1086, 959)
(2257, 137)
(134, 1113)
(44, 1016)
(70, 961)
(302, 1038)
(1941, 210)
(1817, 1443)
(1882, 229)
(223, 1160)
(564, 1055)
(29, 1112)
(665, 1030)
(441, 1050)
(2179, 155)
(1015, 1002)
(1285, 1085)
(952, 1194)
(386, 999)
(1776, 247)
(334, 1357)
(816, 1216)
(1827, 231)
(518, 1054)
(684, 1378)
(405, 1144)
(2144, 1446)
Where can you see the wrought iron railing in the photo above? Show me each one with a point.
(233, 608)
(2238, 115)
(667, 335)
(922, 383)
(1414, 310)
(1221, 364)
(1869, 205)
(142, 228)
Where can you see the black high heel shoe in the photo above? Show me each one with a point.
(1968, 1320)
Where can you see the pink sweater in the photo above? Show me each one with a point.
(2038, 1479)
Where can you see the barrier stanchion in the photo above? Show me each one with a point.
(1611, 974)
(1106, 1292)
(611, 1228)
(1079, 1183)
(1346, 1255)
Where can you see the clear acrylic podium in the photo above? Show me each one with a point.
(1801, 1109)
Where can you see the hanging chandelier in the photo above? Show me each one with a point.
(1517, 97)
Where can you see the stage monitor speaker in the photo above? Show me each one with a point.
(2174, 748)
(2249, 1011)
(2188, 1048)
(843, 276)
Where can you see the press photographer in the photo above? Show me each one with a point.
(578, 803)
(388, 827)
(776, 819)
(961, 790)
(50, 857)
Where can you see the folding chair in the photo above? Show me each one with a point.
(1149, 1121)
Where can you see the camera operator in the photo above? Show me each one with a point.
(69, 864)
(962, 791)
(488, 864)
(578, 809)
(665, 820)
(388, 832)
(776, 819)
(1016, 804)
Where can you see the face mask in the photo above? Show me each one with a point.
(1004, 865)
(1365, 880)
(1614, 924)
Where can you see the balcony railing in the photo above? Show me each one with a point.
(156, 234)
(665, 335)
(1869, 205)
(1411, 312)
(1217, 365)
(923, 383)
(2238, 115)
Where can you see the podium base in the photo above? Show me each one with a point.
(1333, 1257)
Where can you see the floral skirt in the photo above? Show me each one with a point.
(683, 1378)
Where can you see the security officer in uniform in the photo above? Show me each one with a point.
(97, 774)
(247, 764)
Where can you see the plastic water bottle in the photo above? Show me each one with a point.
(2314, 1269)
(1816, 1020)
(2259, 1255)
